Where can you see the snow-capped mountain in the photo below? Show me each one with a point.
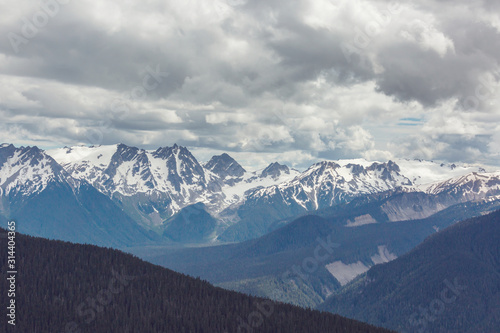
(236, 190)
(28, 170)
(327, 183)
(275, 170)
(421, 172)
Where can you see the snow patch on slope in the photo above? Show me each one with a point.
(383, 255)
(361, 220)
(345, 273)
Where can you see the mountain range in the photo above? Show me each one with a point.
(147, 192)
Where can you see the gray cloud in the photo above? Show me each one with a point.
(330, 79)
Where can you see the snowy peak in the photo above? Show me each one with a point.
(387, 169)
(389, 172)
(28, 170)
(166, 152)
(225, 166)
(275, 170)
(130, 170)
(6, 151)
(150, 184)
(94, 155)
(182, 166)
(126, 153)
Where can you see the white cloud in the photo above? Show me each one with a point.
(224, 118)
(428, 37)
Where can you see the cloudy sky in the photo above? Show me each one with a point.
(293, 81)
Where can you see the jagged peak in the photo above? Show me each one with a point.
(389, 166)
(325, 165)
(28, 151)
(224, 165)
(221, 157)
(123, 146)
(128, 153)
(165, 152)
(274, 170)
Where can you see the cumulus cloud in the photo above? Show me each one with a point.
(310, 79)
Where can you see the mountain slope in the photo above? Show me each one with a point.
(449, 283)
(470, 187)
(258, 266)
(63, 287)
(191, 225)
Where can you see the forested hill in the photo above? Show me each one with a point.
(64, 287)
(449, 283)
